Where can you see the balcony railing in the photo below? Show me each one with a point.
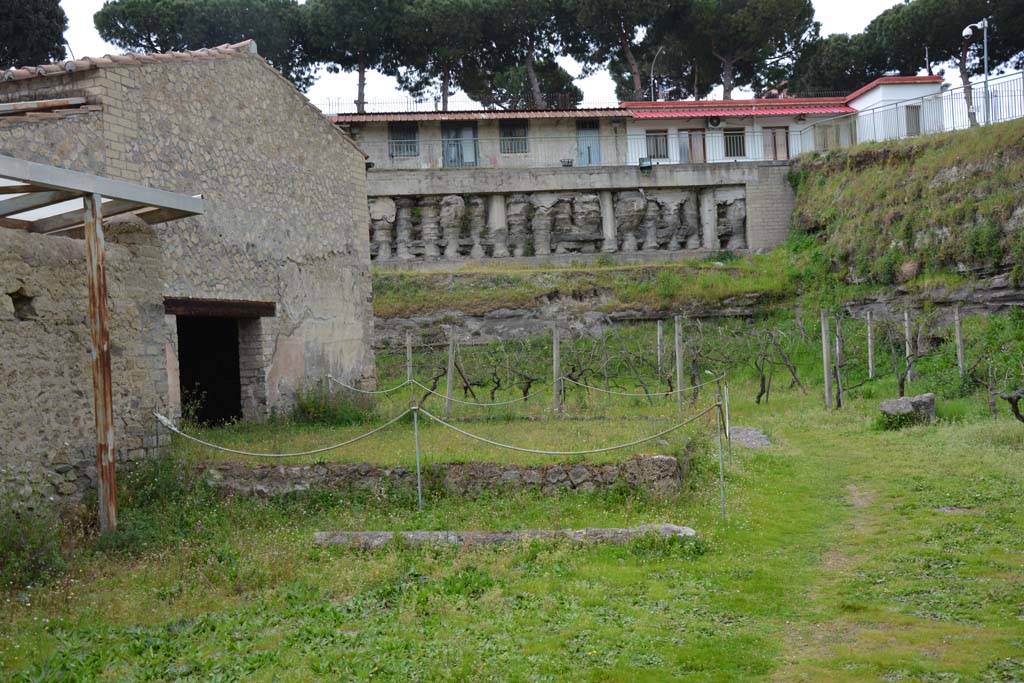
(539, 151)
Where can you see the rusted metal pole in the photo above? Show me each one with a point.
(103, 393)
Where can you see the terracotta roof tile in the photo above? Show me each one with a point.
(86, 63)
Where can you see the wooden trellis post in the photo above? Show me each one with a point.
(450, 383)
(826, 360)
(660, 366)
(871, 346)
(679, 362)
(958, 323)
(556, 373)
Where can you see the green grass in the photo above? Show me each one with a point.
(849, 554)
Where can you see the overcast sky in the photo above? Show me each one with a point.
(836, 16)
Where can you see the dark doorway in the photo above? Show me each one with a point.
(211, 388)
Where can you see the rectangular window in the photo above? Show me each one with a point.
(459, 145)
(514, 137)
(403, 140)
(588, 143)
(735, 143)
(657, 144)
(776, 143)
(691, 147)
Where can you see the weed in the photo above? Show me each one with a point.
(30, 549)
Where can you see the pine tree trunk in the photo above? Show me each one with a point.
(531, 72)
(965, 78)
(361, 97)
(446, 77)
(728, 78)
(634, 68)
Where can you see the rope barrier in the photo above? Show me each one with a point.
(477, 403)
(364, 391)
(170, 426)
(525, 398)
(644, 395)
(586, 452)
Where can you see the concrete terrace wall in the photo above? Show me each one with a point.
(285, 195)
(47, 431)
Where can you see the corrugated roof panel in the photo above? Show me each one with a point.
(738, 112)
(488, 115)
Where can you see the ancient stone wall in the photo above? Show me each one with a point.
(543, 223)
(657, 474)
(285, 195)
(47, 429)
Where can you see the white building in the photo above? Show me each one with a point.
(638, 133)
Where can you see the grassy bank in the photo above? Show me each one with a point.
(889, 212)
(672, 286)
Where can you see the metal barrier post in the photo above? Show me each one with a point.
(728, 424)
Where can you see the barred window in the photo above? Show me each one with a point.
(735, 143)
(657, 144)
(403, 140)
(514, 137)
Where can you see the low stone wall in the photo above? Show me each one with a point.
(659, 475)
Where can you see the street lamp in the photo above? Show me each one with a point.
(968, 34)
(653, 62)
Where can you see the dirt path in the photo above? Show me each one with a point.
(810, 641)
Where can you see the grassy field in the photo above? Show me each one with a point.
(849, 554)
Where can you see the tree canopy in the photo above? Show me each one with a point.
(504, 53)
(353, 35)
(32, 32)
(165, 25)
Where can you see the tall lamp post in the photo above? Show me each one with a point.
(653, 62)
(968, 34)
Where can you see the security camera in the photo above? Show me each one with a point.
(968, 32)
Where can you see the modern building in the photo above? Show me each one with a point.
(236, 310)
(643, 176)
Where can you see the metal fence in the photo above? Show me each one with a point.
(953, 109)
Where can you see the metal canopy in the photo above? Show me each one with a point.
(40, 186)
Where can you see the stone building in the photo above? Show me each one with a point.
(637, 179)
(231, 312)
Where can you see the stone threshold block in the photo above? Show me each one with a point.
(368, 540)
